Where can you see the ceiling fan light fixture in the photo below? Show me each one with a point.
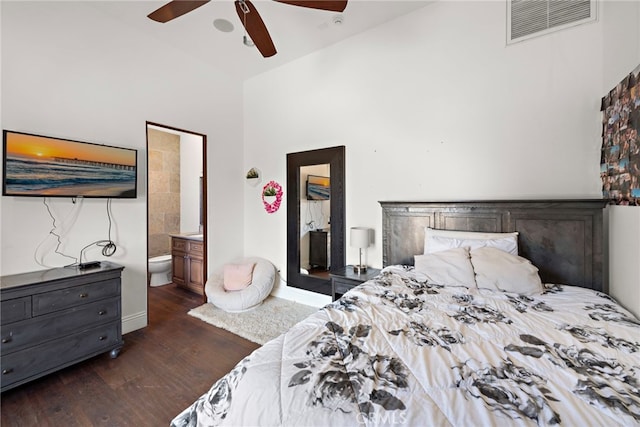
(256, 32)
(243, 6)
(246, 40)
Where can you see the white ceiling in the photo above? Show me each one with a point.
(296, 31)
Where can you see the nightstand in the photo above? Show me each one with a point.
(344, 279)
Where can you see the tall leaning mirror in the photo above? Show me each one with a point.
(315, 217)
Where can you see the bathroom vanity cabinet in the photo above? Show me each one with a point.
(187, 259)
(55, 318)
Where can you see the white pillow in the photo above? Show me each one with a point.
(439, 240)
(450, 268)
(498, 270)
(237, 276)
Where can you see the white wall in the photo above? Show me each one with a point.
(71, 71)
(1, 126)
(621, 54)
(190, 174)
(432, 106)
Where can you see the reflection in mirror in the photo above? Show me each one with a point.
(315, 217)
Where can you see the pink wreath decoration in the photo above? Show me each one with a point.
(272, 207)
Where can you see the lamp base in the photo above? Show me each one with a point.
(359, 269)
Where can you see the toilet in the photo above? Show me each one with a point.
(160, 270)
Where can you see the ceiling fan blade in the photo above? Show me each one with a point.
(332, 5)
(255, 27)
(175, 9)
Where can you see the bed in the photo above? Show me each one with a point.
(533, 341)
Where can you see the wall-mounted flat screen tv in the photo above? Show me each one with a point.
(35, 165)
(318, 187)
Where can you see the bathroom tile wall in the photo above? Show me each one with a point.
(164, 190)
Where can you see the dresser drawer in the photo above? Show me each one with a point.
(15, 309)
(342, 286)
(41, 329)
(344, 279)
(49, 302)
(36, 361)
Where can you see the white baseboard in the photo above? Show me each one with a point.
(301, 296)
(134, 322)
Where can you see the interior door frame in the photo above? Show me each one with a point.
(204, 197)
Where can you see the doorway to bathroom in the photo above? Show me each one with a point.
(176, 208)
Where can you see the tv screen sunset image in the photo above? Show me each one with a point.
(44, 166)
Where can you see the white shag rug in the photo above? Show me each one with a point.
(261, 324)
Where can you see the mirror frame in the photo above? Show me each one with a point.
(335, 157)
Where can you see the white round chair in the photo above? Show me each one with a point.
(263, 279)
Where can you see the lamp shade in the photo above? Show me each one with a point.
(359, 237)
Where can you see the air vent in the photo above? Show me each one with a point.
(532, 18)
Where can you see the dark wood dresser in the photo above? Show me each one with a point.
(54, 318)
(319, 249)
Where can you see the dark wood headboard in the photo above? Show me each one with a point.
(563, 238)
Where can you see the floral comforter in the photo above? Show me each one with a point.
(398, 350)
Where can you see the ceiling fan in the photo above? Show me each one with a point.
(248, 14)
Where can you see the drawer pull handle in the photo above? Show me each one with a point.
(102, 338)
(102, 312)
(6, 340)
(7, 371)
(84, 295)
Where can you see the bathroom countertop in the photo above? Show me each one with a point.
(190, 236)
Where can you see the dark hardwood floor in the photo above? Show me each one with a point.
(319, 272)
(161, 370)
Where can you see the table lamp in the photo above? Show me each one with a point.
(360, 239)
